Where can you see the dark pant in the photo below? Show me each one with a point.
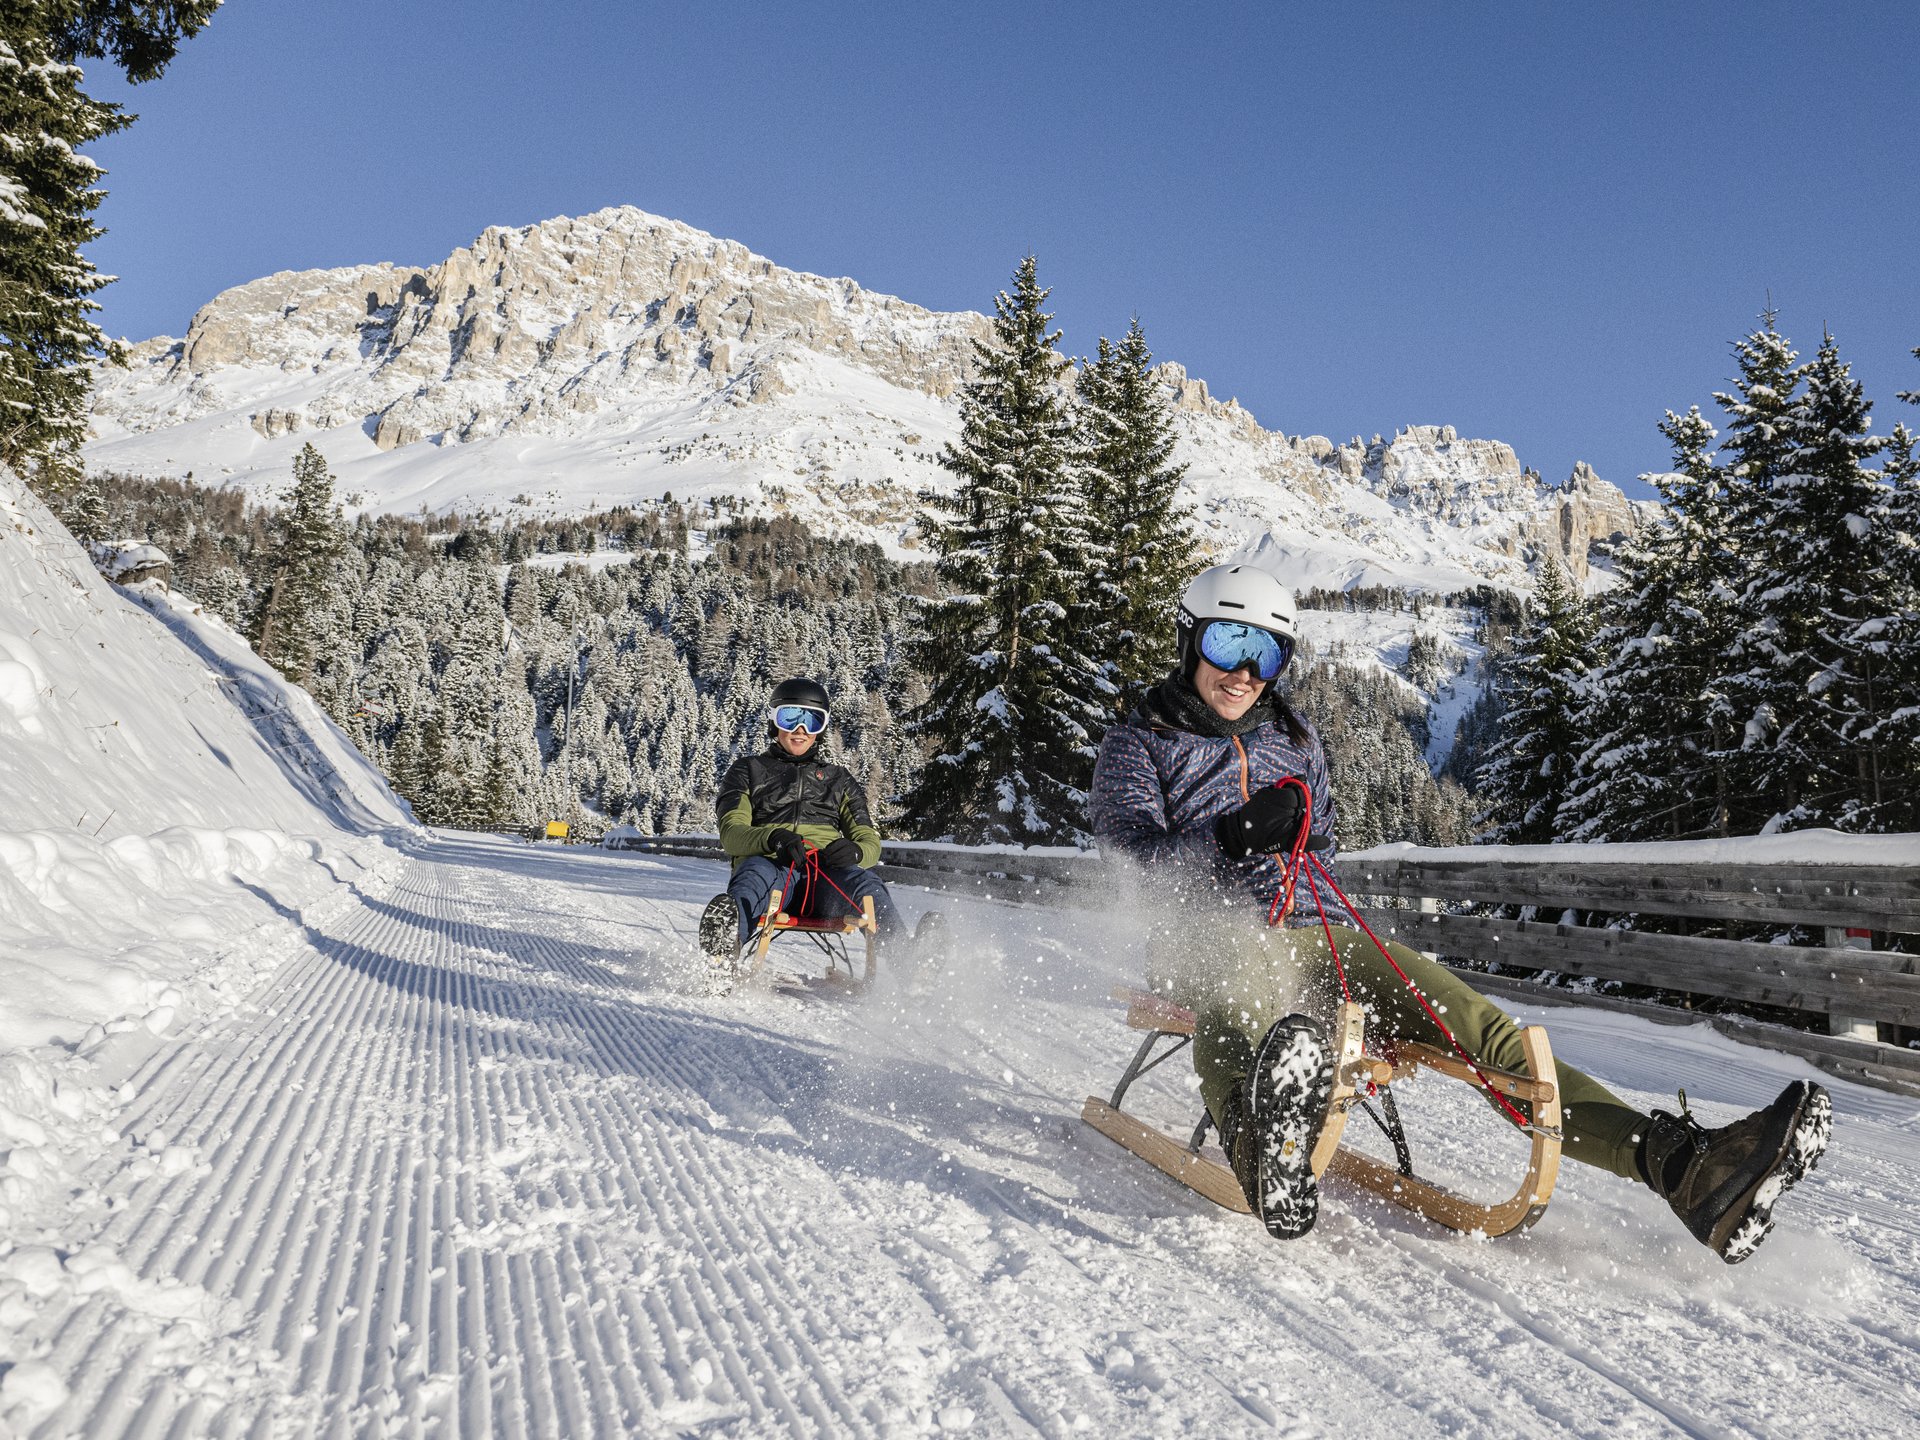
(754, 878)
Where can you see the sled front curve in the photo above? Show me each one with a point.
(1449, 1208)
(1355, 1072)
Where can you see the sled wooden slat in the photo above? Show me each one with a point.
(1350, 1072)
(1209, 1177)
(1514, 1087)
(1147, 1011)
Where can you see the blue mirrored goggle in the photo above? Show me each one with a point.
(800, 717)
(1230, 645)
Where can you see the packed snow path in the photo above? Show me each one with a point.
(480, 1160)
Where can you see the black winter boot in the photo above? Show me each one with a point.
(720, 931)
(1723, 1184)
(1273, 1121)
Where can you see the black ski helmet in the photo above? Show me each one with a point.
(810, 693)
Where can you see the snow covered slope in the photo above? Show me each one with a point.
(170, 812)
(149, 758)
(620, 357)
(480, 1160)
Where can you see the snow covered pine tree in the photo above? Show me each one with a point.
(1542, 686)
(1651, 770)
(1139, 549)
(1015, 705)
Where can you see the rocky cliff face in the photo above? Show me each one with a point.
(619, 357)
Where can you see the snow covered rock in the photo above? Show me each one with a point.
(129, 562)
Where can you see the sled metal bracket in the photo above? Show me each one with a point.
(1387, 1117)
(1140, 1064)
(1200, 1132)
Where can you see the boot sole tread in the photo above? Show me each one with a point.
(1288, 1199)
(1750, 1219)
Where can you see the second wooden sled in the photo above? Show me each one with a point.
(835, 936)
(1355, 1073)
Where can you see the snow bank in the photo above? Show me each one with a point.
(171, 814)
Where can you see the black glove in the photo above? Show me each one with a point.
(1267, 824)
(787, 846)
(842, 854)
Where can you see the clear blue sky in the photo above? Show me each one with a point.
(1539, 222)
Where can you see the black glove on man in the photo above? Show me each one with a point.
(1267, 824)
(788, 847)
(842, 854)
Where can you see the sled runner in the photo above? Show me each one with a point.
(1357, 1077)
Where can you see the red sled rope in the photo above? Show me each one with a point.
(1300, 858)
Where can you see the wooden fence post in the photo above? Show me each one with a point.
(1846, 938)
(1428, 905)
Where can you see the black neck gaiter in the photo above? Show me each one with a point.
(1176, 704)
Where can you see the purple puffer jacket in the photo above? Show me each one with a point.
(1157, 791)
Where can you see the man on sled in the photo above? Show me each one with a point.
(795, 822)
(1208, 785)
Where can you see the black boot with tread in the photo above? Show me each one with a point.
(1724, 1184)
(1274, 1120)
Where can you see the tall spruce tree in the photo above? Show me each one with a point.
(49, 191)
(1755, 454)
(1140, 551)
(1008, 728)
(297, 583)
(1803, 676)
(1529, 776)
(1893, 636)
(1651, 768)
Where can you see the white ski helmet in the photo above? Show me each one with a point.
(1241, 593)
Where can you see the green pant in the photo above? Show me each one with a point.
(1241, 981)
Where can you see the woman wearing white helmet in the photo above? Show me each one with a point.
(1191, 788)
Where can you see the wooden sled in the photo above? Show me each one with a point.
(1355, 1072)
(834, 937)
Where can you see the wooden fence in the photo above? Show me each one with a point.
(1857, 988)
(1864, 993)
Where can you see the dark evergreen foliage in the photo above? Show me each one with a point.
(1009, 730)
(1760, 661)
(1139, 548)
(1540, 692)
(298, 575)
(1656, 732)
(49, 191)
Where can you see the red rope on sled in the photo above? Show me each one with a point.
(1300, 857)
(1282, 906)
(809, 872)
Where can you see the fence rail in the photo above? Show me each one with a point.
(1846, 900)
(1866, 896)
(1021, 877)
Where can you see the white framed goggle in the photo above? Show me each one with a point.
(799, 717)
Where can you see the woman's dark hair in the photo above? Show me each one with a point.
(1288, 719)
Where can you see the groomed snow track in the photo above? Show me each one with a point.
(480, 1160)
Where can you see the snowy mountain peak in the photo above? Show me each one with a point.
(619, 357)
